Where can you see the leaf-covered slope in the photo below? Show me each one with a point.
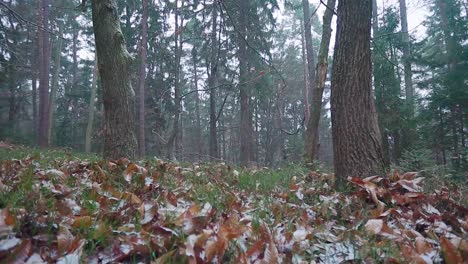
(72, 211)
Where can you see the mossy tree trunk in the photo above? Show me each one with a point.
(118, 95)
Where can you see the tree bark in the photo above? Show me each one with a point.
(356, 136)
(246, 129)
(312, 133)
(92, 102)
(44, 69)
(174, 139)
(118, 95)
(53, 90)
(198, 133)
(305, 90)
(142, 80)
(309, 46)
(213, 149)
(407, 58)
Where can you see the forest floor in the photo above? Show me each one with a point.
(61, 207)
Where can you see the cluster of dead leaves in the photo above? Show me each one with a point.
(158, 212)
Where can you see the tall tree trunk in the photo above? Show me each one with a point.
(173, 142)
(33, 62)
(198, 132)
(142, 82)
(118, 95)
(246, 129)
(92, 102)
(53, 90)
(312, 133)
(44, 69)
(74, 89)
(309, 45)
(356, 136)
(213, 149)
(34, 100)
(407, 58)
(305, 90)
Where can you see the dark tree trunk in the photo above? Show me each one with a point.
(44, 69)
(213, 149)
(356, 136)
(142, 81)
(312, 133)
(246, 129)
(118, 95)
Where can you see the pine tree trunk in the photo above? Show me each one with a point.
(407, 58)
(74, 89)
(246, 129)
(309, 45)
(312, 133)
(173, 144)
(142, 81)
(305, 90)
(118, 95)
(53, 90)
(92, 102)
(44, 64)
(356, 136)
(213, 149)
(198, 132)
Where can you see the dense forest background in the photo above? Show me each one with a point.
(231, 80)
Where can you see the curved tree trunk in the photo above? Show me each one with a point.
(118, 95)
(356, 136)
(312, 133)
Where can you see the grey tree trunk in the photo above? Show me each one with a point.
(407, 58)
(213, 149)
(356, 137)
(308, 44)
(118, 95)
(312, 133)
(305, 90)
(173, 144)
(53, 90)
(246, 129)
(198, 133)
(92, 102)
(44, 70)
(142, 81)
